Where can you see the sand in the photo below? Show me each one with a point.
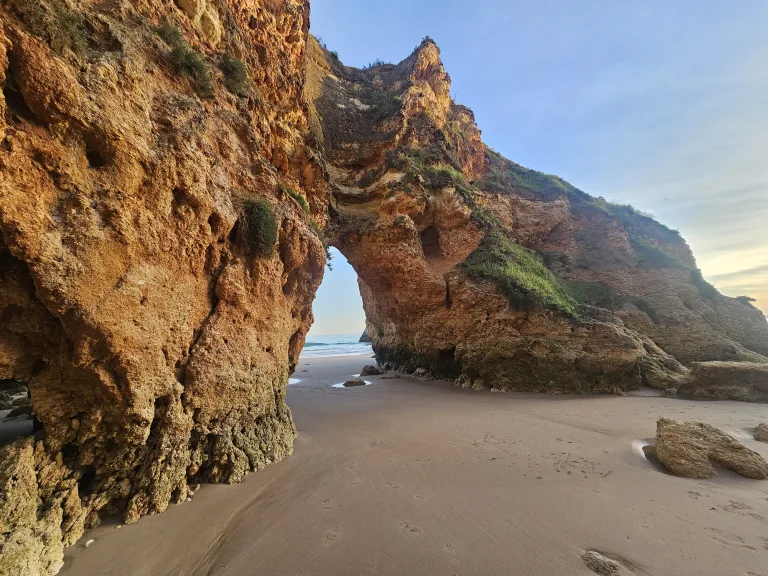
(411, 477)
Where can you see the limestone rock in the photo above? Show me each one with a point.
(365, 337)
(761, 432)
(744, 381)
(692, 448)
(370, 371)
(439, 227)
(354, 382)
(156, 344)
(599, 564)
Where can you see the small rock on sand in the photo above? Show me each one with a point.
(761, 433)
(600, 564)
(354, 382)
(370, 371)
(691, 448)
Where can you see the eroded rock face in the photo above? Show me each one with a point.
(155, 341)
(692, 448)
(745, 381)
(475, 268)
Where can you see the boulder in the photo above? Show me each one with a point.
(599, 564)
(744, 381)
(761, 433)
(370, 371)
(354, 382)
(693, 448)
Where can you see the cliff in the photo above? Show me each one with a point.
(475, 268)
(166, 174)
(159, 253)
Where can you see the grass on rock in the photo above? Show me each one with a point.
(520, 274)
(258, 228)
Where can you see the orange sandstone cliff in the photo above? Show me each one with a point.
(169, 175)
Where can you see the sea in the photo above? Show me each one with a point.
(335, 345)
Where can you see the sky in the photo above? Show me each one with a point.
(663, 105)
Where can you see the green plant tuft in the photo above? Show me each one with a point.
(235, 75)
(185, 60)
(285, 189)
(258, 228)
(62, 28)
(520, 274)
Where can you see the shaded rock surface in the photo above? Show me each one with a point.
(745, 381)
(370, 371)
(365, 337)
(693, 448)
(761, 432)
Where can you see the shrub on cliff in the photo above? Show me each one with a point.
(285, 189)
(258, 228)
(235, 75)
(519, 273)
(185, 60)
(62, 28)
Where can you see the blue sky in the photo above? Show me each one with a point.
(660, 104)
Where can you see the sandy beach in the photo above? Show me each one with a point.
(419, 477)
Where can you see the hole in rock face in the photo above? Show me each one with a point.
(430, 243)
(85, 485)
(95, 159)
(17, 109)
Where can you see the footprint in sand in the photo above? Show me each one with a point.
(327, 505)
(411, 528)
(331, 536)
(730, 540)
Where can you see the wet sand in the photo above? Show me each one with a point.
(410, 477)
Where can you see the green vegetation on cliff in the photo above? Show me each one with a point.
(258, 228)
(519, 273)
(185, 60)
(64, 29)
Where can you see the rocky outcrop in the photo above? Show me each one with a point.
(599, 564)
(761, 432)
(352, 382)
(745, 381)
(693, 448)
(474, 268)
(370, 371)
(159, 253)
(364, 337)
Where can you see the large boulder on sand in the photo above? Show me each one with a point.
(761, 433)
(370, 371)
(744, 381)
(692, 448)
(354, 382)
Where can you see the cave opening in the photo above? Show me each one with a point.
(340, 320)
(16, 417)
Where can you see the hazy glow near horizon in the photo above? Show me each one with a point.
(657, 104)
